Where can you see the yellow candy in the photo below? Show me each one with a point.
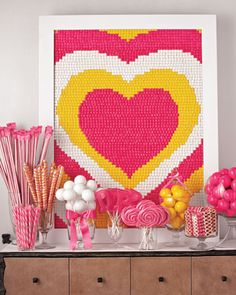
(165, 192)
(179, 194)
(176, 222)
(186, 198)
(181, 215)
(169, 202)
(176, 187)
(172, 213)
(180, 207)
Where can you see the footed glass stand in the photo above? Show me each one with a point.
(176, 238)
(229, 240)
(202, 245)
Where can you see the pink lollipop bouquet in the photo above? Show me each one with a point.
(146, 215)
(113, 201)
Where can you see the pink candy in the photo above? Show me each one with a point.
(145, 214)
(221, 191)
(114, 200)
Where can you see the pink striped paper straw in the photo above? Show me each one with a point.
(47, 136)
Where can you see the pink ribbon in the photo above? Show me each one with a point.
(73, 217)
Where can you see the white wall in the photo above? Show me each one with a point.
(19, 59)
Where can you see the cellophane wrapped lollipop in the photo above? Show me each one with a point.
(176, 197)
(221, 194)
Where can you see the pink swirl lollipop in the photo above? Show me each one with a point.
(129, 215)
(144, 204)
(149, 217)
(164, 215)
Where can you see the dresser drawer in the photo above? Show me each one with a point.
(36, 276)
(100, 276)
(214, 275)
(161, 275)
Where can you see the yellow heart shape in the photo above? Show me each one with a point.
(80, 85)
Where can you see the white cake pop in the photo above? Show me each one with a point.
(69, 195)
(79, 188)
(80, 206)
(68, 184)
(69, 205)
(88, 195)
(59, 194)
(91, 184)
(80, 179)
(92, 205)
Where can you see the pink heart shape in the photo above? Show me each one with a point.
(128, 132)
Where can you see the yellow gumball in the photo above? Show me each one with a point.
(180, 207)
(163, 204)
(165, 193)
(169, 202)
(181, 215)
(186, 198)
(175, 188)
(176, 222)
(179, 194)
(172, 213)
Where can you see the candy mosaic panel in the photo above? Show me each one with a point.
(128, 108)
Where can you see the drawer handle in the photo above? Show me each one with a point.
(35, 280)
(100, 280)
(161, 279)
(224, 279)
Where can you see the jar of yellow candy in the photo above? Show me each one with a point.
(175, 197)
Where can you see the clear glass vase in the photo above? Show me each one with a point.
(91, 226)
(115, 228)
(45, 225)
(229, 241)
(148, 240)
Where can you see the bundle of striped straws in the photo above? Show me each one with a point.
(43, 183)
(18, 147)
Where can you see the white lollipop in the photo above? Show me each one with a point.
(91, 184)
(80, 179)
(59, 194)
(88, 195)
(80, 206)
(79, 188)
(69, 195)
(92, 205)
(68, 184)
(69, 205)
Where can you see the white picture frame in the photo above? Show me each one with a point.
(207, 23)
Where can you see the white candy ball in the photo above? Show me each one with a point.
(80, 179)
(79, 188)
(59, 194)
(69, 205)
(69, 195)
(91, 184)
(88, 195)
(92, 205)
(68, 184)
(80, 206)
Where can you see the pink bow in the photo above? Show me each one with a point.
(73, 217)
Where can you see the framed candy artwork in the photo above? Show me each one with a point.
(131, 98)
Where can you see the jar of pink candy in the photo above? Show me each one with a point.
(201, 223)
(221, 194)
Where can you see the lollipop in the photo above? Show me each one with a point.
(129, 215)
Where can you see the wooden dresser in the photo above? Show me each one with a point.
(118, 273)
